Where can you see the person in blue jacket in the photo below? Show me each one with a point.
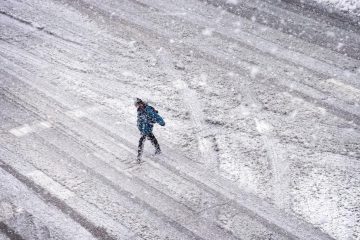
(147, 116)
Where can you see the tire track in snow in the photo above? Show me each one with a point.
(320, 12)
(109, 133)
(222, 61)
(96, 231)
(289, 26)
(211, 59)
(274, 227)
(195, 180)
(41, 29)
(343, 115)
(62, 195)
(31, 223)
(289, 56)
(10, 233)
(102, 176)
(350, 113)
(270, 48)
(205, 146)
(279, 163)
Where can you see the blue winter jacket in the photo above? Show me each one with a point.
(146, 118)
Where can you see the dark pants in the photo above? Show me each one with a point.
(153, 140)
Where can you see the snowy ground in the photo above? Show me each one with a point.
(262, 108)
(347, 6)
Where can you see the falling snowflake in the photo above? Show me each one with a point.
(330, 34)
(127, 73)
(340, 46)
(207, 31)
(254, 71)
(234, 2)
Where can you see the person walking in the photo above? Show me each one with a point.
(147, 116)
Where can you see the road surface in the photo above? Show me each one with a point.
(261, 101)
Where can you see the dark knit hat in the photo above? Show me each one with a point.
(139, 101)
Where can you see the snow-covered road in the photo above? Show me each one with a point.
(261, 101)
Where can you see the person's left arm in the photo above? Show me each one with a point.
(156, 117)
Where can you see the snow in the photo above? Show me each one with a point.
(26, 128)
(234, 2)
(207, 31)
(262, 126)
(49, 184)
(349, 6)
(254, 71)
(262, 121)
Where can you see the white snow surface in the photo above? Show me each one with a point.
(262, 135)
(349, 6)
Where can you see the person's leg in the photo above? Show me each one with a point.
(154, 142)
(141, 146)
